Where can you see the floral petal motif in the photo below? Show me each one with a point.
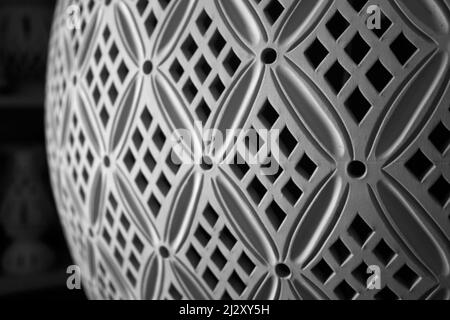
(123, 118)
(97, 197)
(245, 220)
(177, 113)
(183, 209)
(168, 38)
(237, 107)
(87, 119)
(91, 259)
(303, 19)
(129, 33)
(268, 289)
(186, 279)
(414, 107)
(318, 220)
(135, 209)
(433, 14)
(415, 226)
(309, 102)
(244, 21)
(62, 140)
(153, 278)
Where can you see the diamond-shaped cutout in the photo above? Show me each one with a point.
(190, 90)
(203, 112)
(176, 70)
(440, 138)
(122, 72)
(159, 138)
(113, 52)
(137, 139)
(217, 88)
(112, 93)
(246, 263)
(287, 142)
(384, 252)
(104, 75)
(189, 47)
(210, 279)
(106, 34)
(231, 63)
(340, 252)
(154, 205)
(384, 26)
(217, 43)
(358, 105)
(306, 167)
(164, 3)
(146, 118)
(322, 271)
(236, 283)
(360, 274)
(291, 192)
(337, 77)
(276, 215)
(344, 291)
(218, 259)
(379, 76)
(440, 191)
(141, 5)
(268, 115)
(163, 185)
(202, 69)
(202, 236)
(406, 277)
(273, 11)
(357, 49)
(227, 238)
(403, 49)
(256, 190)
(149, 161)
(150, 24)
(316, 53)
(203, 22)
(360, 231)
(337, 25)
(129, 160)
(210, 215)
(358, 5)
(239, 167)
(193, 256)
(419, 165)
(141, 182)
(104, 116)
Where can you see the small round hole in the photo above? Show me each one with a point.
(107, 2)
(147, 67)
(207, 163)
(164, 252)
(356, 169)
(106, 161)
(268, 56)
(75, 80)
(282, 270)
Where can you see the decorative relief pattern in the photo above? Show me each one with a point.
(363, 118)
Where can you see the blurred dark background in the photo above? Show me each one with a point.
(33, 253)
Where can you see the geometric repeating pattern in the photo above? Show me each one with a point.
(363, 118)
